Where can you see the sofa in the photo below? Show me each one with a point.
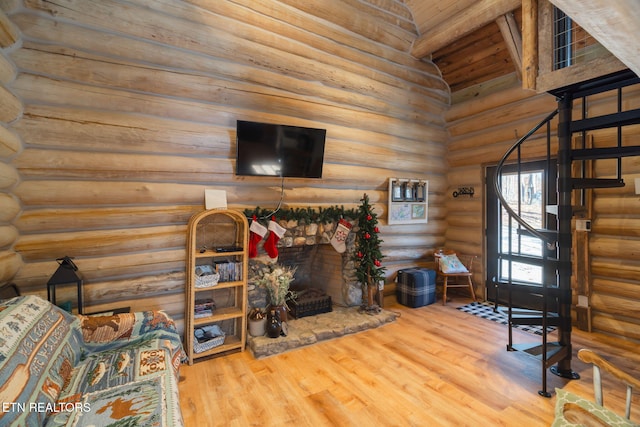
(57, 369)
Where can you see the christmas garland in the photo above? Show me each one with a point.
(306, 215)
(368, 256)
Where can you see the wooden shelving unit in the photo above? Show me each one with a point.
(217, 238)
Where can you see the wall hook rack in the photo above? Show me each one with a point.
(464, 191)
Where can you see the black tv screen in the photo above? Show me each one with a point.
(265, 149)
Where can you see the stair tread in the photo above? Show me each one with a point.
(554, 352)
(551, 234)
(536, 290)
(605, 153)
(525, 312)
(523, 316)
(536, 321)
(622, 118)
(579, 183)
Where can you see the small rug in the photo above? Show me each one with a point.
(486, 311)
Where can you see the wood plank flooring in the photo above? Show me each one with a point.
(434, 366)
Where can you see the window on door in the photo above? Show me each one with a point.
(513, 254)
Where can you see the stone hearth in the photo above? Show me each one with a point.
(310, 330)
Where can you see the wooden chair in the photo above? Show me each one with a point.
(599, 364)
(577, 410)
(467, 262)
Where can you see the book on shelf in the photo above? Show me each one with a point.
(229, 271)
(202, 314)
(203, 308)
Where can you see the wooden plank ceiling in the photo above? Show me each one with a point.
(471, 41)
(477, 41)
(477, 57)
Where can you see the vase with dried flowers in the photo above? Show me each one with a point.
(276, 279)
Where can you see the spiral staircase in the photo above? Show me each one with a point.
(548, 304)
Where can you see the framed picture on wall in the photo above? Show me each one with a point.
(408, 202)
(399, 212)
(418, 211)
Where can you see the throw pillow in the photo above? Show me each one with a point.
(451, 264)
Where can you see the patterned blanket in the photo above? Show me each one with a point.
(62, 370)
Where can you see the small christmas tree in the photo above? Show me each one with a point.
(369, 269)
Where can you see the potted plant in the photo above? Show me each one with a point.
(276, 279)
(257, 322)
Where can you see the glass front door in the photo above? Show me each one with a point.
(512, 253)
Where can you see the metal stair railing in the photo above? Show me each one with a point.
(539, 317)
(498, 185)
(560, 240)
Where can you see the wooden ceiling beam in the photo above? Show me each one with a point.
(615, 24)
(471, 19)
(513, 39)
(529, 44)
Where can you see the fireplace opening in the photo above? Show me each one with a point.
(318, 265)
(321, 267)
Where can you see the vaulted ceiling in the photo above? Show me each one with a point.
(477, 41)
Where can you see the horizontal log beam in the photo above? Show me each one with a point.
(101, 268)
(614, 324)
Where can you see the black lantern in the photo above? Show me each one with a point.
(409, 196)
(396, 191)
(420, 191)
(65, 275)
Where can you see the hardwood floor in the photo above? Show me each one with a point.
(434, 366)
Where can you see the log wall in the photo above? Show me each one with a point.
(10, 144)
(614, 240)
(119, 114)
(482, 130)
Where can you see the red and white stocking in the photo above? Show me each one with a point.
(340, 235)
(257, 232)
(271, 245)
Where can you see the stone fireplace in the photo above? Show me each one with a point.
(318, 264)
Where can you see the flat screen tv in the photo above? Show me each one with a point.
(265, 149)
